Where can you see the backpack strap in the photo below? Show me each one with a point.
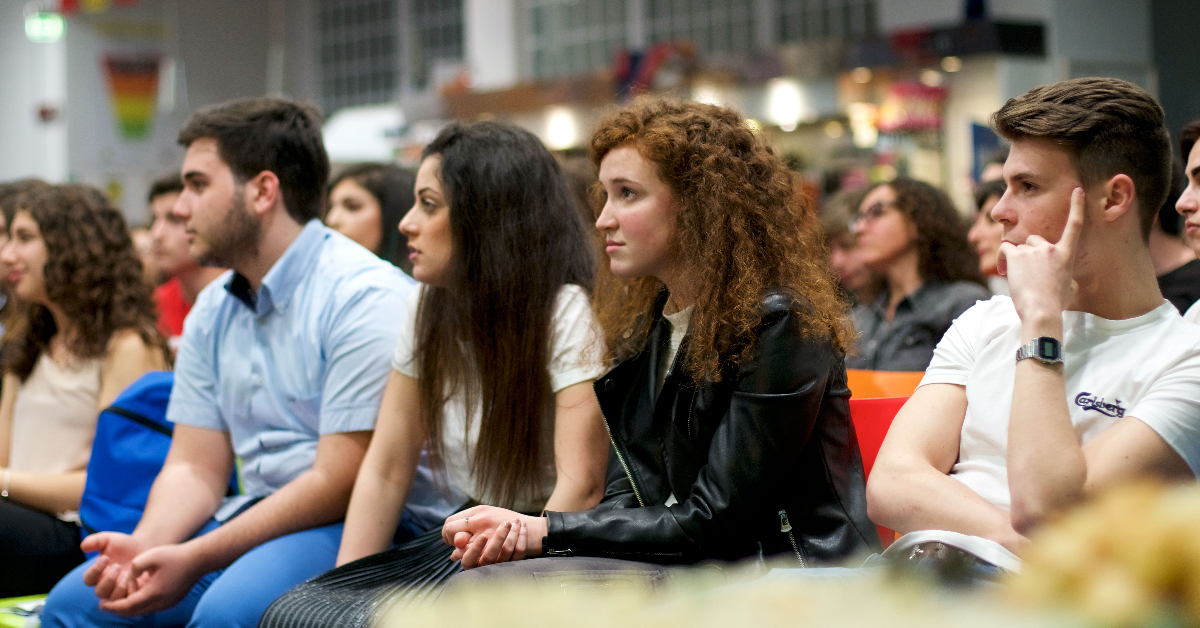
(143, 421)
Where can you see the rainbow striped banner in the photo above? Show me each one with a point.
(67, 7)
(133, 83)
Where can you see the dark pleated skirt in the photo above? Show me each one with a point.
(358, 594)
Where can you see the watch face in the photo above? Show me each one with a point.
(1049, 349)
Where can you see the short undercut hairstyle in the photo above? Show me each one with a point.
(259, 134)
(1106, 125)
(1188, 137)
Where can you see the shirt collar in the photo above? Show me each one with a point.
(286, 273)
(913, 299)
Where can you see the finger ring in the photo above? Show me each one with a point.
(466, 521)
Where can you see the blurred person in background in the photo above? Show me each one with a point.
(143, 243)
(910, 233)
(581, 176)
(172, 257)
(994, 168)
(1188, 204)
(986, 234)
(11, 194)
(857, 281)
(83, 331)
(1175, 263)
(366, 203)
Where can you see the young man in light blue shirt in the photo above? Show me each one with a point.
(282, 365)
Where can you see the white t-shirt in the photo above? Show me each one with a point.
(1192, 315)
(576, 353)
(679, 327)
(1146, 367)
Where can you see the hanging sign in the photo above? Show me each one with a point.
(133, 86)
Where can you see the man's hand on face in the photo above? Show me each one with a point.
(1040, 273)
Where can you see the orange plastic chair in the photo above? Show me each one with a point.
(876, 384)
(871, 418)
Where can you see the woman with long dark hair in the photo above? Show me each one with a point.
(727, 406)
(366, 203)
(909, 233)
(492, 372)
(84, 329)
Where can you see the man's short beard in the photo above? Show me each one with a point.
(235, 239)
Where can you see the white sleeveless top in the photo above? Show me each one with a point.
(54, 420)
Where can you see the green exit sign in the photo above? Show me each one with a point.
(43, 27)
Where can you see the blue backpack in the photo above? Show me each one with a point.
(131, 444)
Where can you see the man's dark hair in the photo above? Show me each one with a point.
(1106, 125)
(258, 134)
(988, 189)
(1188, 137)
(166, 184)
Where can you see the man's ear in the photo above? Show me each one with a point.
(1120, 197)
(262, 192)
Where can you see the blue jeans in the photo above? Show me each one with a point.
(235, 596)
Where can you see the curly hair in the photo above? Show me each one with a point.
(740, 230)
(943, 250)
(92, 273)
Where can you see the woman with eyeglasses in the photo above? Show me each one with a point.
(986, 234)
(909, 232)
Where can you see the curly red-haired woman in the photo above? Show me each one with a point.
(83, 331)
(727, 405)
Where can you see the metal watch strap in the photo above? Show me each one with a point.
(1044, 349)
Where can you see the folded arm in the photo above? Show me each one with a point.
(581, 449)
(910, 487)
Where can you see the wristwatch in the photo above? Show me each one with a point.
(1047, 350)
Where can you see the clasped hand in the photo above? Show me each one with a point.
(485, 535)
(1040, 273)
(132, 579)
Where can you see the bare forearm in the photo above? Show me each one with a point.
(309, 501)
(181, 501)
(570, 496)
(49, 492)
(913, 499)
(1046, 466)
(373, 514)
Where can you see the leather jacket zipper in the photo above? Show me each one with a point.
(785, 527)
(621, 458)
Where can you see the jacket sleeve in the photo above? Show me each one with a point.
(772, 410)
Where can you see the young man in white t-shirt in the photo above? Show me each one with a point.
(1085, 377)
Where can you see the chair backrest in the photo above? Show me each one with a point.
(872, 418)
(876, 384)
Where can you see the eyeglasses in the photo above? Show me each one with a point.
(870, 214)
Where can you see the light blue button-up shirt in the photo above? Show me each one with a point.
(308, 355)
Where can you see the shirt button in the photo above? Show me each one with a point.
(257, 381)
(609, 385)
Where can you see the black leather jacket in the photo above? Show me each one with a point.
(767, 459)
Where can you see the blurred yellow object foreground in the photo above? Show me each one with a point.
(701, 602)
(1131, 558)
